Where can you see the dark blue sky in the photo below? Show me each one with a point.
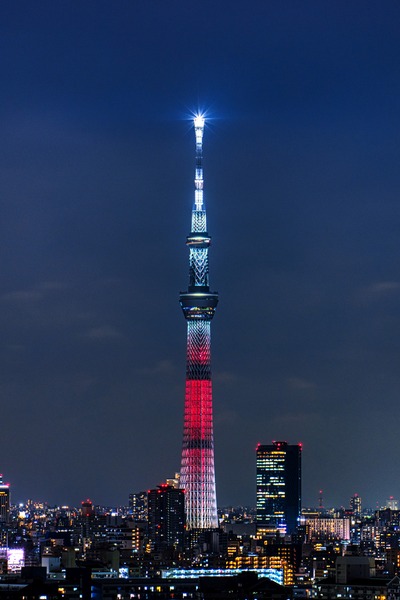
(302, 188)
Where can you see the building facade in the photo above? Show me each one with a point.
(4, 501)
(138, 506)
(166, 512)
(326, 528)
(4, 511)
(278, 487)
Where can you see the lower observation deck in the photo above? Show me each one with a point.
(198, 240)
(199, 304)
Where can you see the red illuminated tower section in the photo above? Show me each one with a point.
(198, 305)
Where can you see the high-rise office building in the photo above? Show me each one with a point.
(4, 501)
(138, 506)
(4, 511)
(278, 487)
(87, 509)
(198, 304)
(355, 506)
(87, 522)
(166, 510)
(392, 503)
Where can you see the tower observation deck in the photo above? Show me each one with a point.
(198, 305)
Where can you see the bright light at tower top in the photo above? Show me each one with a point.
(199, 121)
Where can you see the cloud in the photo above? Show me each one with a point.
(53, 285)
(295, 419)
(226, 416)
(16, 347)
(103, 333)
(162, 367)
(83, 383)
(22, 296)
(383, 287)
(225, 377)
(38, 292)
(379, 289)
(297, 383)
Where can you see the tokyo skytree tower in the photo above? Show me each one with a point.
(198, 306)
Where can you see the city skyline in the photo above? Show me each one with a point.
(96, 164)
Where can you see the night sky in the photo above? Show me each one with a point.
(302, 181)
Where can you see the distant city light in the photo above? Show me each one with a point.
(15, 559)
(275, 575)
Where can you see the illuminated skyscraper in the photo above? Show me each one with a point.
(166, 517)
(138, 506)
(4, 501)
(355, 505)
(198, 305)
(392, 503)
(278, 487)
(4, 511)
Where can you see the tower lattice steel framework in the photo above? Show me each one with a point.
(198, 305)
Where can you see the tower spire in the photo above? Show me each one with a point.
(198, 306)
